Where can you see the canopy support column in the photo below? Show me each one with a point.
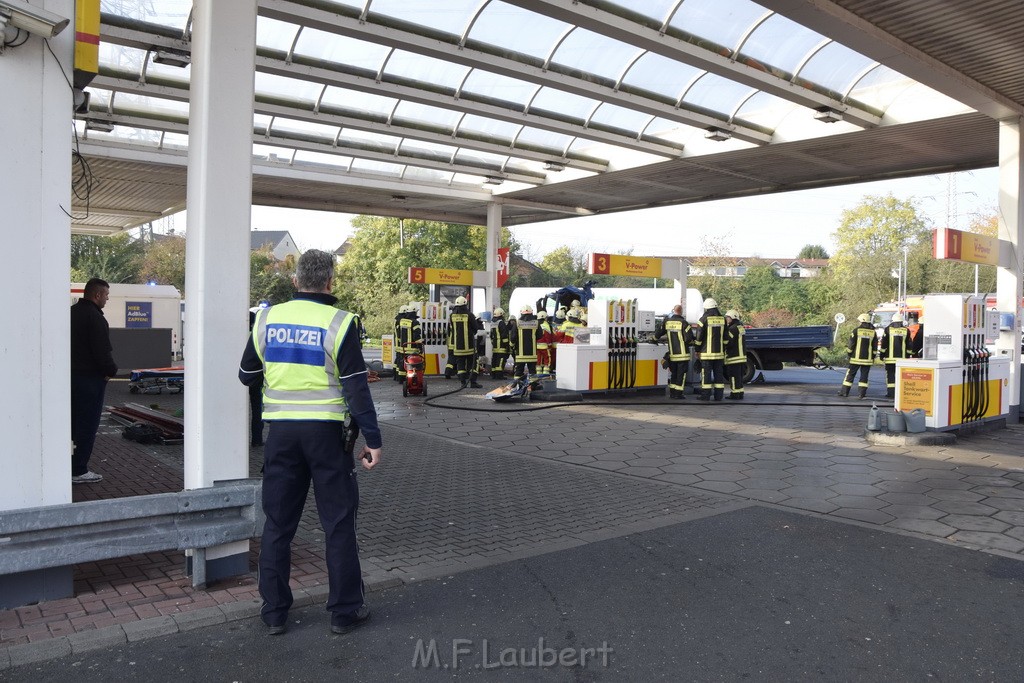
(1011, 229)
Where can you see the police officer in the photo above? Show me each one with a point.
(894, 347)
(678, 355)
(735, 354)
(462, 329)
(499, 343)
(306, 353)
(711, 342)
(862, 355)
(524, 334)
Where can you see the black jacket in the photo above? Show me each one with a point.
(91, 351)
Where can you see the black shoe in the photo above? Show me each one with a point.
(702, 397)
(276, 630)
(842, 393)
(344, 624)
(476, 385)
(735, 397)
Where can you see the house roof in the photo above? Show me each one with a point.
(261, 238)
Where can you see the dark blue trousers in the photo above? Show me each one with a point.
(86, 410)
(296, 453)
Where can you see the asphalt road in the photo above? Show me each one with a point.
(756, 594)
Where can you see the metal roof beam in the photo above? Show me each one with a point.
(339, 24)
(648, 38)
(858, 34)
(278, 65)
(299, 142)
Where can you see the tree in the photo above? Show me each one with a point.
(567, 265)
(812, 251)
(871, 239)
(115, 258)
(270, 279)
(164, 262)
(373, 276)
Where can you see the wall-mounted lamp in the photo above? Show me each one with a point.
(21, 15)
(717, 134)
(828, 115)
(172, 57)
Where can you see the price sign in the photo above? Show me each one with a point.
(614, 264)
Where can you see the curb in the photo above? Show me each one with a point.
(144, 629)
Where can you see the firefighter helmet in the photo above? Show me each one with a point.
(897, 318)
(710, 303)
(542, 314)
(499, 312)
(731, 313)
(461, 301)
(864, 318)
(526, 310)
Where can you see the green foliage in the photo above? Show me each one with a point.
(116, 258)
(270, 279)
(812, 251)
(164, 262)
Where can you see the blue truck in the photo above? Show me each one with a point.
(769, 347)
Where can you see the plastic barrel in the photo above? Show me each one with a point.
(915, 420)
(895, 422)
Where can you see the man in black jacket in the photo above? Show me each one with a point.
(92, 364)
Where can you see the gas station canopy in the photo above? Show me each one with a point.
(434, 108)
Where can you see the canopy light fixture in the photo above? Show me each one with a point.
(99, 125)
(493, 180)
(554, 166)
(176, 58)
(717, 134)
(828, 115)
(21, 15)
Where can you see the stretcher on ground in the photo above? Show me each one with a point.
(155, 380)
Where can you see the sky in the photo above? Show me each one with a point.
(769, 226)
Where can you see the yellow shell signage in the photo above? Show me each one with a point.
(614, 264)
(440, 276)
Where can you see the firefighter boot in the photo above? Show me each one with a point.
(863, 393)
(844, 391)
(473, 383)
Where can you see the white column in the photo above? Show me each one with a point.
(35, 192)
(493, 242)
(217, 255)
(1011, 229)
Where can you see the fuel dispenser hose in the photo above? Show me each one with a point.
(800, 404)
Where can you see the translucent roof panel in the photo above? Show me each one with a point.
(99, 99)
(834, 66)
(544, 139)
(292, 88)
(390, 142)
(619, 117)
(274, 34)
(272, 152)
(781, 43)
(500, 131)
(425, 69)
(655, 9)
(377, 167)
(121, 57)
(341, 49)
(518, 30)
(128, 134)
(469, 156)
(175, 141)
(765, 110)
(428, 175)
(174, 73)
(151, 104)
(305, 127)
(499, 87)
(723, 23)
(594, 54)
(359, 101)
(566, 104)
(444, 15)
(880, 87)
(174, 13)
(661, 75)
(261, 120)
(717, 94)
(434, 116)
(433, 149)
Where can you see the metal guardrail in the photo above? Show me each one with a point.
(61, 535)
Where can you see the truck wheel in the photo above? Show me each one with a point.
(749, 369)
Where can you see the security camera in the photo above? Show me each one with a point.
(19, 14)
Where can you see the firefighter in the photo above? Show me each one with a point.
(893, 348)
(711, 341)
(915, 336)
(545, 340)
(678, 355)
(862, 356)
(462, 329)
(556, 335)
(735, 354)
(399, 355)
(499, 343)
(524, 335)
(568, 327)
(690, 341)
(410, 333)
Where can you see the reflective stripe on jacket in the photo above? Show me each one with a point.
(735, 351)
(712, 337)
(861, 346)
(894, 343)
(298, 343)
(675, 331)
